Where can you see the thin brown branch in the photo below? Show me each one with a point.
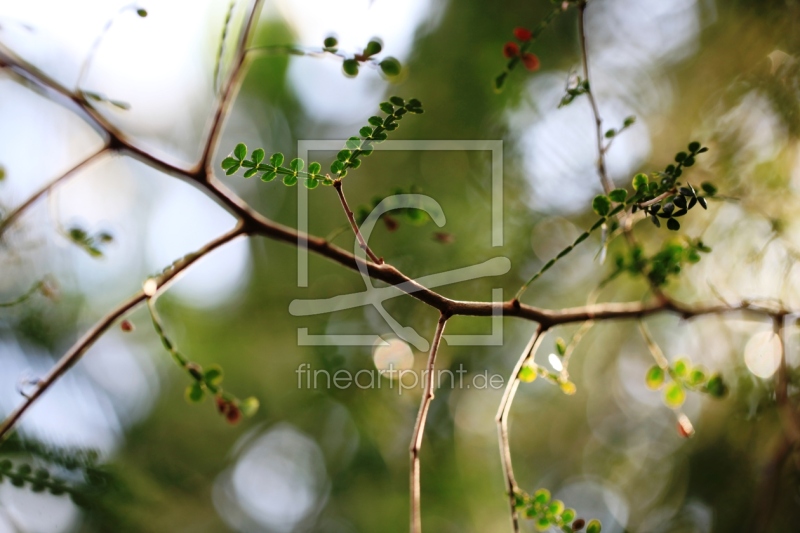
(608, 185)
(786, 411)
(502, 423)
(230, 87)
(419, 427)
(74, 354)
(337, 184)
(9, 219)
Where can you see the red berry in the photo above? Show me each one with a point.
(234, 414)
(222, 405)
(126, 326)
(531, 62)
(510, 50)
(523, 34)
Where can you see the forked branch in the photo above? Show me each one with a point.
(419, 427)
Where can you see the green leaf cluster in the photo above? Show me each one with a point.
(664, 264)
(349, 157)
(664, 197)
(351, 65)
(682, 376)
(580, 87)
(274, 167)
(547, 513)
(374, 133)
(92, 244)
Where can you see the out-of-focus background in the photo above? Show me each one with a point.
(330, 460)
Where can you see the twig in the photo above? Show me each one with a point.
(230, 88)
(419, 427)
(6, 222)
(608, 185)
(502, 422)
(337, 184)
(36, 287)
(658, 355)
(77, 350)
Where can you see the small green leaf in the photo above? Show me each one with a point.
(311, 183)
(390, 66)
(258, 155)
(673, 224)
(499, 81)
(213, 375)
(350, 67)
(195, 393)
(568, 515)
(396, 100)
(556, 507)
(697, 376)
(610, 133)
(387, 108)
(618, 195)
(561, 346)
(594, 526)
(375, 121)
(681, 367)
(716, 386)
(373, 47)
(694, 146)
(240, 152)
(674, 395)
(337, 166)
(330, 42)
(249, 406)
(269, 176)
(343, 155)
(290, 180)
(709, 188)
(250, 173)
(233, 170)
(655, 377)
(601, 204)
(276, 159)
(541, 496)
(297, 164)
(314, 168)
(353, 143)
(366, 131)
(229, 162)
(527, 374)
(141, 12)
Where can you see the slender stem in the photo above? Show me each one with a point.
(6, 222)
(230, 88)
(573, 343)
(337, 184)
(502, 423)
(658, 355)
(419, 427)
(74, 354)
(36, 287)
(608, 185)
